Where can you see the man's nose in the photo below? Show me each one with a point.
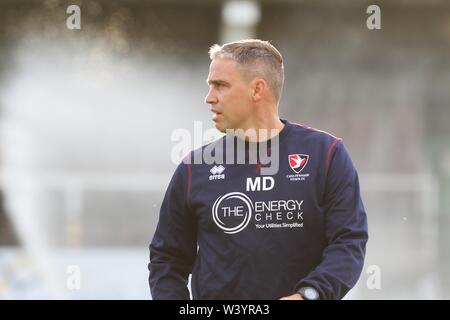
(210, 98)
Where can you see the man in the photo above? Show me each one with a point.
(297, 233)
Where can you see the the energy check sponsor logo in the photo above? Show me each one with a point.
(234, 211)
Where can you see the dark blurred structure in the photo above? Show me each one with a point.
(8, 236)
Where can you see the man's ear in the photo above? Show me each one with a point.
(259, 86)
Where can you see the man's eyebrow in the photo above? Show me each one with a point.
(210, 82)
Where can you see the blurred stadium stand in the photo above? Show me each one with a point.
(86, 118)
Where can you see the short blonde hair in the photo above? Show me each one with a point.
(257, 58)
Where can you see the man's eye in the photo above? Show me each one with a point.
(218, 85)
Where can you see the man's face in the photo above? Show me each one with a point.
(230, 95)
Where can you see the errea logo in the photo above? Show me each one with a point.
(217, 173)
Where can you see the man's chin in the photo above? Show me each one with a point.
(219, 127)
(222, 130)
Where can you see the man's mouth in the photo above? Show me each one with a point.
(216, 114)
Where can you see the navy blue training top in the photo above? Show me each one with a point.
(246, 235)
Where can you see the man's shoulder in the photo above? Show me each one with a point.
(193, 156)
(313, 133)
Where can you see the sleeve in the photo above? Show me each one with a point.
(173, 249)
(346, 231)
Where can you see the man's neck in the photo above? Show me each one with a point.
(262, 129)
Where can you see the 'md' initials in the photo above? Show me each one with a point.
(256, 185)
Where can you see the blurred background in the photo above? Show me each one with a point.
(86, 118)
